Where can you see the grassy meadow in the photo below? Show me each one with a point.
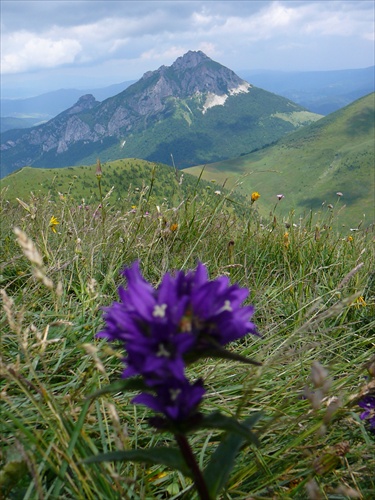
(314, 293)
(310, 165)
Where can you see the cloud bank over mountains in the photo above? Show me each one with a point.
(77, 42)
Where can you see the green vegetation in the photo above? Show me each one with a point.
(122, 179)
(309, 166)
(313, 291)
(246, 121)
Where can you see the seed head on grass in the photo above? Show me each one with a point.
(98, 172)
(321, 382)
(28, 247)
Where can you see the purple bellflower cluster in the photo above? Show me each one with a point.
(162, 330)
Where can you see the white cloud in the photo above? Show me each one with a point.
(328, 23)
(272, 19)
(208, 48)
(23, 51)
(136, 36)
(369, 36)
(200, 19)
(171, 53)
(296, 19)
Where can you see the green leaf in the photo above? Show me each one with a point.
(224, 354)
(217, 420)
(217, 472)
(69, 452)
(122, 385)
(12, 472)
(171, 457)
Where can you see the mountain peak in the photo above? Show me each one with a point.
(190, 60)
(195, 73)
(85, 102)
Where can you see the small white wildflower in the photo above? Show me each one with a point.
(226, 307)
(159, 311)
(163, 352)
(174, 393)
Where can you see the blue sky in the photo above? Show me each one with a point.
(52, 44)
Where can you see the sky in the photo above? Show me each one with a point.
(85, 44)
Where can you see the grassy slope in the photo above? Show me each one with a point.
(335, 154)
(127, 177)
(305, 288)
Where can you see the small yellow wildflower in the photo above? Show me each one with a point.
(254, 196)
(53, 223)
(174, 227)
(160, 475)
(286, 239)
(349, 238)
(360, 302)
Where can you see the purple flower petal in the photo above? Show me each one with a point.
(176, 399)
(368, 403)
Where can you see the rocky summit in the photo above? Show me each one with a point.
(196, 110)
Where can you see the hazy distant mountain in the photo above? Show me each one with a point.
(319, 91)
(196, 110)
(46, 106)
(10, 123)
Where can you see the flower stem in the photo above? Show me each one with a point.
(101, 199)
(188, 455)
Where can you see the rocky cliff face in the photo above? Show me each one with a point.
(192, 74)
(88, 120)
(58, 133)
(195, 73)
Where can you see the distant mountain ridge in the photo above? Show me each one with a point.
(322, 92)
(196, 110)
(47, 105)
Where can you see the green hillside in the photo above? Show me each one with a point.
(309, 166)
(123, 182)
(247, 121)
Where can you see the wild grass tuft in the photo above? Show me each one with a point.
(313, 290)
